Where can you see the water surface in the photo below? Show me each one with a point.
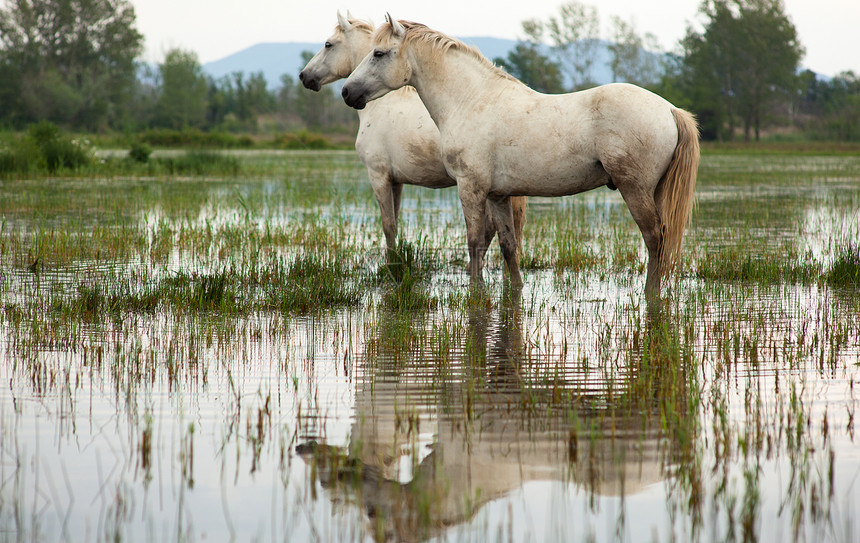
(572, 411)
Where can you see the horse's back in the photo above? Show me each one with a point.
(630, 130)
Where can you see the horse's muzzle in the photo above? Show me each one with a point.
(309, 81)
(353, 98)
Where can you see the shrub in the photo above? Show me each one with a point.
(58, 151)
(194, 138)
(302, 140)
(140, 152)
(43, 148)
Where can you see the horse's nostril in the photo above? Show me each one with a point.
(344, 92)
(302, 75)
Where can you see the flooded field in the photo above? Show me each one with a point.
(214, 359)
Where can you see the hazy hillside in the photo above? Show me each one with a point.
(273, 59)
(276, 59)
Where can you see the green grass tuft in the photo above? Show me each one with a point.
(314, 283)
(406, 271)
(845, 269)
(739, 264)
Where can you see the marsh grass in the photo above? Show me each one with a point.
(194, 162)
(199, 163)
(314, 282)
(405, 276)
(308, 284)
(159, 350)
(739, 263)
(844, 270)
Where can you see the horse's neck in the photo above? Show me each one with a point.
(454, 82)
(359, 48)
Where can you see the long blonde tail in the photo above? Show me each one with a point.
(678, 190)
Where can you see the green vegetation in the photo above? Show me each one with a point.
(738, 72)
(43, 149)
(312, 283)
(406, 275)
(69, 62)
(742, 66)
(739, 263)
(845, 268)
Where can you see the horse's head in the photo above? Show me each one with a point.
(384, 69)
(341, 53)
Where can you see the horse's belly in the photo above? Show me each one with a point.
(550, 178)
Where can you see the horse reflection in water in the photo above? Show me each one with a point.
(438, 436)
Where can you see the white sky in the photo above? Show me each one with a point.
(217, 28)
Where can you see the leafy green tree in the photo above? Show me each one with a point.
(574, 36)
(218, 102)
(317, 109)
(743, 64)
(529, 65)
(68, 61)
(832, 105)
(634, 57)
(182, 96)
(286, 93)
(257, 96)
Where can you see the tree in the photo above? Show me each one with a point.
(832, 105)
(182, 95)
(317, 109)
(533, 68)
(574, 35)
(769, 57)
(744, 63)
(73, 60)
(632, 61)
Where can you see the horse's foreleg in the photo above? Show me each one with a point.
(388, 207)
(396, 193)
(519, 206)
(489, 229)
(503, 219)
(475, 213)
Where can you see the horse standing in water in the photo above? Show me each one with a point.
(397, 140)
(502, 139)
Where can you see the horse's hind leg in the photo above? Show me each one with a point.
(644, 210)
(503, 219)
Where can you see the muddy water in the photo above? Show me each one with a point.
(569, 412)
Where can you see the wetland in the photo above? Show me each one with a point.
(198, 356)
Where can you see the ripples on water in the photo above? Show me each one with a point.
(571, 412)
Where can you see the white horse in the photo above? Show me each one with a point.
(501, 139)
(397, 140)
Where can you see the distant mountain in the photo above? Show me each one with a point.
(276, 59)
(273, 59)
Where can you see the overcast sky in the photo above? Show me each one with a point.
(828, 29)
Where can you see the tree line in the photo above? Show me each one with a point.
(76, 63)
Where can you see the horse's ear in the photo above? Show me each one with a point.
(398, 29)
(342, 21)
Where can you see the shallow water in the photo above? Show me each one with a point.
(570, 412)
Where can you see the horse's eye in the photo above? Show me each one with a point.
(328, 44)
(377, 53)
